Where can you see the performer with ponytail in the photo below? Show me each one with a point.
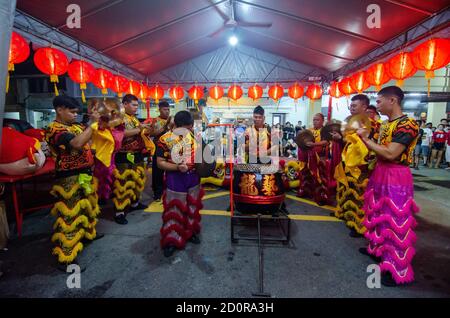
(77, 209)
(389, 199)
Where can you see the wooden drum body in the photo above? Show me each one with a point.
(257, 188)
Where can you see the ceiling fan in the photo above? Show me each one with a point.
(230, 22)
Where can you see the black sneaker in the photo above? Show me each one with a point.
(120, 219)
(139, 206)
(387, 280)
(169, 250)
(194, 239)
(97, 237)
(363, 251)
(353, 233)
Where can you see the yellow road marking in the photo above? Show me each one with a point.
(326, 207)
(215, 195)
(158, 208)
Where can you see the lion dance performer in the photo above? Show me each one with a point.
(313, 166)
(77, 209)
(353, 172)
(389, 200)
(160, 125)
(130, 174)
(106, 141)
(182, 198)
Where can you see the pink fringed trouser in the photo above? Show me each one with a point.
(182, 201)
(389, 207)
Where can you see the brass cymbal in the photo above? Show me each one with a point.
(325, 132)
(304, 137)
(353, 123)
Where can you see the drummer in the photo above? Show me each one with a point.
(258, 143)
(258, 146)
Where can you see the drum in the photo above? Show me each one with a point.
(257, 188)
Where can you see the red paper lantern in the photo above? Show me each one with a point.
(358, 82)
(314, 92)
(334, 90)
(176, 93)
(81, 72)
(156, 92)
(235, 92)
(52, 62)
(401, 67)
(103, 79)
(345, 87)
(296, 91)
(430, 56)
(377, 75)
(195, 93)
(134, 88)
(19, 51)
(255, 92)
(120, 85)
(276, 92)
(216, 92)
(144, 92)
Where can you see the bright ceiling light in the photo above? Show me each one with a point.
(233, 40)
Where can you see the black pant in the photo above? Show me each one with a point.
(157, 179)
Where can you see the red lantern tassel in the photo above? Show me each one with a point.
(429, 75)
(83, 87)
(7, 83)
(54, 80)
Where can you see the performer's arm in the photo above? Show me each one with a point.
(132, 132)
(169, 166)
(80, 140)
(389, 152)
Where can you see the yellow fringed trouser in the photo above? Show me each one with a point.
(350, 201)
(76, 217)
(128, 184)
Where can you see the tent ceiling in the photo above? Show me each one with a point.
(150, 36)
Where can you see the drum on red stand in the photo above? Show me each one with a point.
(258, 188)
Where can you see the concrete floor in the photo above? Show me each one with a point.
(320, 261)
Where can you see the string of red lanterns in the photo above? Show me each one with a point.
(429, 56)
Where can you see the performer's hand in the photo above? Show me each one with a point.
(183, 167)
(363, 133)
(336, 136)
(94, 116)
